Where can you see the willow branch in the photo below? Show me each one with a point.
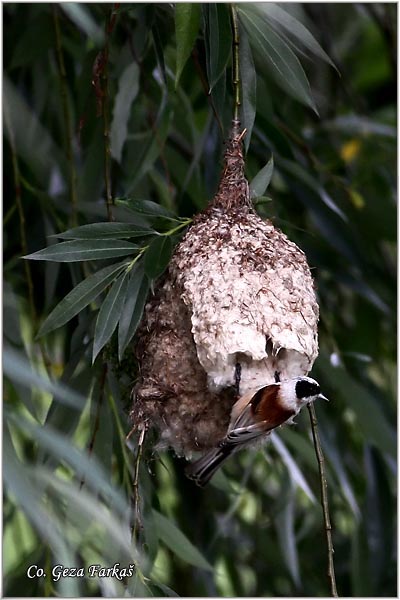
(324, 498)
(20, 209)
(204, 83)
(67, 118)
(96, 424)
(106, 128)
(135, 495)
(235, 63)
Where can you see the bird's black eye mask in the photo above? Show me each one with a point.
(306, 389)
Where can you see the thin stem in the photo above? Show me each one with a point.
(106, 130)
(67, 118)
(204, 83)
(21, 214)
(185, 223)
(105, 109)
(136, 498)
(235, 63)
(324, 498)
(97, 416)
(127, 477)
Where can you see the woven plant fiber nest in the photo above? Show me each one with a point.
(237, 299)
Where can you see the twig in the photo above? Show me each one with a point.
(324, 498)
(204, 83)
(67, 118)
(235, 64)
(97, 416)
(100, 84)
(135, 494)
(21, 214)
(106, 126)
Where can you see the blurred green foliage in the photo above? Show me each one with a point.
(105, 100)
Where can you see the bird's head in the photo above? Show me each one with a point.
(307, 390)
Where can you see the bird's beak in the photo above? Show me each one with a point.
(322, 397)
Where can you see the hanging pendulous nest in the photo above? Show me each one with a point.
(237, 302)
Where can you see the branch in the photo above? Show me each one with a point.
(324, 498)
(67, 117)
(235, 63)
(135, 494)
(21, 214)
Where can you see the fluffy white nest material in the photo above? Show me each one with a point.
(251, 297)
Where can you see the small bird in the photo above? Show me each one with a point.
(254, 416)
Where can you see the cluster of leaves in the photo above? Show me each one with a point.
(130, 279)
(133, 101)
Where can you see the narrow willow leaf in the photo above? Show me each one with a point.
(132, 311)
(176, 541)
(128, 88)
(80, 15)
(18, 369)
(260, 200)
(99, 231)
(158, 47)
(78, 250)
(294, 470)
(273, 11)
(187, 22)
(261, 181)
(84, 466)
(219, 34)
(248, 83)
(109, 314)
(20, 483)
(28, 132)
(158, 256)
(286, 535)
(85, 292)
(298, 171)
(145, 208)
(283, 64)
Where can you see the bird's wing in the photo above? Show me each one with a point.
(260, 413)
(242, 435)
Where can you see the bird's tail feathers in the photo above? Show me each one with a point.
(205, 467)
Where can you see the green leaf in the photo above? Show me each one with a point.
(260, 200)
(283, 64)
(298, 171)
(176, 541)
(98, 231)
(286, 535)
(18, 369)
(273, 11)
(293, 468)
(109, 314)
(84, 466)
(80, 15)
(261, 181)
(158, 256)
(85, 292)
(128, 88)
(187, 22)
(158, 48)
(145, 208)
(136, 295)
(78, 250)
(19, 482)
(248, 83)
(372, 422)
(218, 40)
